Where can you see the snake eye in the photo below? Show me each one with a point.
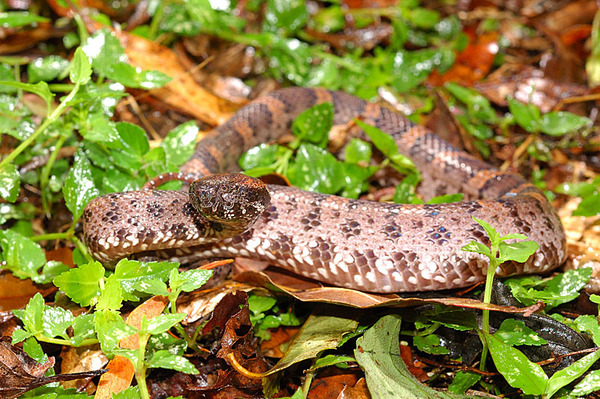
(230, 198)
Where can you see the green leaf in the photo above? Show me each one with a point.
(22, 256)
(320, 332)
(56, 321)
(567, 375)
(81, 70)
(135, 146)
(14, 19)
(33, 348)
(462, 381)
(111, 296)
(316, 170)
(32, 316)
(314, 123)
(100, 129)
(285, 16)
(378, 354)
(526, 115)
(560, 123)
(514, 366)
(333, 360)
(260, 304)
(164, 322)
(180, 143)
(357, 151)
(166, 360)
(477, 247)
(589, 206)
(589, 384)
(129, 393)
(79, 187)
(82, 284)
(111, 328)
(514, 333)
(189, 280)
(261, 156)
(430, 344)
(40, 88)
(589, 324)
(132, 274)
(83, 328)
(489, 230)
(517, 251)
(46, 69)
(10, 182)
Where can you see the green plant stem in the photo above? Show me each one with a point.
(52, 236)
(140, 367)
(45, 175)
(50, 119)
(487, 298)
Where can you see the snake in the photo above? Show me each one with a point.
(350, 243)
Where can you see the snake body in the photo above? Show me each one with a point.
(364, 245)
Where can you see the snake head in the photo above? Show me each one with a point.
(230, 198)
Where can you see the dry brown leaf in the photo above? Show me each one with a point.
(16, 293)
(182, 93)
(20, 373)
(312, 291)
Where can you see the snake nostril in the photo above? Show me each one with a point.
(230, 198)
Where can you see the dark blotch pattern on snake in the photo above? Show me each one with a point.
(364, 245)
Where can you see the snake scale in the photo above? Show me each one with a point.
(369, 246)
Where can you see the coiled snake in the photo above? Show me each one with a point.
(364, 245)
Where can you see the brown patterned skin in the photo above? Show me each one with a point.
(364, 245)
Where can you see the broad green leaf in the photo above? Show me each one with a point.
(358, 151)
(430, 344)
(83, 328)
(100, 129)
(164, 322)
(132, 274)
(189, 280)
(320, 332)
(82, 284)
(316, 170)
(111, 328)
(333, 360)
(567, 375)
(22, 256)
(378, 354)
(180, 143)
(81, 70)
(129, 393)
(285, 16)
(526, 115)
(489, 230)
(589, 384)
(589, 206)
(514, 333)
(79, 187)
(111, 296)
(46, 69)
(559, 123)
(32, 316)
(314, 123)
(477, 247)
(517, 251)
(446, 199)
(56, 321)
(14, 19)
(40, 88)
(514, 366)
(166, 360)
(261, 156)
(589, 324)
(462, 381)
(260, 304)
(33, 348)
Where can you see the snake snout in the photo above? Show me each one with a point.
(230, 198)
